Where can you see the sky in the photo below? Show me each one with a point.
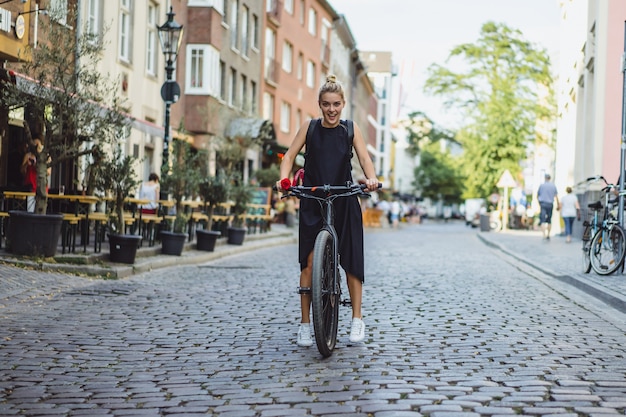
(422, 32)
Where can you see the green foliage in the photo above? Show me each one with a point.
(116, 176)
(183, 179)
(267, 177)
(438, 175)
(421, 131)
(504, 92)
(241, 195)
(214, 191)
(69, 103)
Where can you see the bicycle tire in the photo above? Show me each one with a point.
(586, 258)
(324, 298)
(607, 250)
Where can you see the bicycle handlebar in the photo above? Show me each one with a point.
(329, 190)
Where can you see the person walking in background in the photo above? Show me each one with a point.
(570, 209)
(150, 191)
(327, 161)
(547, 195)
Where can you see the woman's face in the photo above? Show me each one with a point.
(331, 105)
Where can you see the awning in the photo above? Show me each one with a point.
(28, 85)
(251, 128)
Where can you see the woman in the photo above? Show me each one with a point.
(150, 191)
(570, 209)
(327, 161)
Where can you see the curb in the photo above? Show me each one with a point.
(615, 301)
(150, 258)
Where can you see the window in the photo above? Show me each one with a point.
(254, 107)
(287, 57)
(152, 40)
(310, 74)
(270, 55)
(302, 11)
(226, 12)
(202, 75)
(232, 98)
(313, 22)
(300, 66)
(285, 117)
(234, 21)
(255, 31)
(222, 76)
(125, 29)
(268, 106)
(245, 44)
(58, 11)
(289, 6)
(243, 101)
(298, 118)
(94, 18)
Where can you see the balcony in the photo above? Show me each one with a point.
(272, 69)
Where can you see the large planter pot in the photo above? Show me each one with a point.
(172, 243)
(236, 235)
(123, 248)
(34, 234)
(205, 239)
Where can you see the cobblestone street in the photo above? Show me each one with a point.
(455, 328)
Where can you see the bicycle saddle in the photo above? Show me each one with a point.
(595, 206)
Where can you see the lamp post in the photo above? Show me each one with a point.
(170, 35)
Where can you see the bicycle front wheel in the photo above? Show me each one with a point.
(586, 248)
(607, 250)
(325, 294)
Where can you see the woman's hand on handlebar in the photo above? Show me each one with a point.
(372, 184)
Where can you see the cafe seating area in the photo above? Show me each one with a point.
(87, 219)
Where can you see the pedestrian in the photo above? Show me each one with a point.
(547, 195)
(394, 213)
(570, 209)
(327, 161)
(29, 170)
(150, 190)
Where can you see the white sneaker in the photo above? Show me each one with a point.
(304, 335)
(357, 332)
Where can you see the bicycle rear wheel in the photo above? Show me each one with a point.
(325, 295)
(586, 258)
(607, 250)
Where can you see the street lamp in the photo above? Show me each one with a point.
(170, 35)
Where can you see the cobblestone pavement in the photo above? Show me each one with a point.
(454, 328)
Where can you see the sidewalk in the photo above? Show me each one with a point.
(149, 258)
(560, 260)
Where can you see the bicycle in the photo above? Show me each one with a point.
(326, 278)
(608, 245)
(591, 226)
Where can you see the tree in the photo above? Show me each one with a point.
(69, 104)
(504, 91)
(421, 130)
(438, 175)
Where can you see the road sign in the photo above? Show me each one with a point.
(506, 180)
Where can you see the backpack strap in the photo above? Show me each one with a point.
(349, 125)
(312, 125)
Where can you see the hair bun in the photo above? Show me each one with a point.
(331, 78)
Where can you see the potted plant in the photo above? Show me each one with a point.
(116, 176)
(214, 191)
(240, 195)
(68, 104)
(180, 182)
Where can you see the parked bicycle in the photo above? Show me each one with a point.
(591, 225)
(608, 245)
(326, 278)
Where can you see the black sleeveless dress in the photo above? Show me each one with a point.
(327, 161)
